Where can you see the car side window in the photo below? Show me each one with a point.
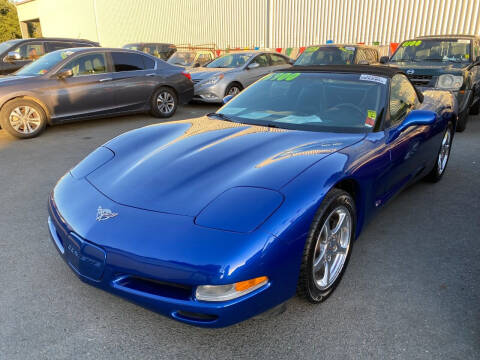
(403, 99)
(89, 64)
(373, 56)
(149, 64)
(123, 61)
(203, 59)
(278, 60)
(30, 51)
(262, 60)
(361, 55)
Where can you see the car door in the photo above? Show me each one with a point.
(134, 80)
(88, 92)
(409, 151)
(476, 69)
(28, 51)
(250, 75)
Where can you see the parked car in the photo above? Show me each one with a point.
(338, 54)
(231, 73)
(213, 220)
(191, 58)
(447, 62)
(162, 51)
(15, 54)
(84, 83)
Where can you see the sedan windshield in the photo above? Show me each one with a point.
(182, 58)
(334, 102)
(44, 64)
(4, 46)
(327, 55)
(434, 50)
(230, 61)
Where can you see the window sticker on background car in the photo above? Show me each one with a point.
(297, 119)
(467, 56)
(232, 110)
(378, 79)
(348, 50)
(371, 117)
(282, 76)
(256, 115)
(412, 43)
(463, 41)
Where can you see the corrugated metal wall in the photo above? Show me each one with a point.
(264, 23)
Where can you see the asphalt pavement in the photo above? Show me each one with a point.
(411, 291)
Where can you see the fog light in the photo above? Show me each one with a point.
(230, 291)
(209, 96)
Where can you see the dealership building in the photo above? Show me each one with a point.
(248, 23)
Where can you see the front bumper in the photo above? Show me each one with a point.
(165, 284)
(210, 93)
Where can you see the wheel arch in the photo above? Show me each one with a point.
(352, 187)
(35, 100)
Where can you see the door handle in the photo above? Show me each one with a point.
(106, 79)
(150, 74)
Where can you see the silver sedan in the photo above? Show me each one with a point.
(231, 73)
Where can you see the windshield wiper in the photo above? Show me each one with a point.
(220, 116)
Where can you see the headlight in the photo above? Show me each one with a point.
(229, 292)
(450, 82)
(214, 79)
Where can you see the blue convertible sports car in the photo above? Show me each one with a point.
(213, 220)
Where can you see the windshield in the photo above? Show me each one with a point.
(230, 61)
(44, 64)
(132, 47)
(327, 55)
(183, 58)
(433, 50)
(4, 46)
(311, 101)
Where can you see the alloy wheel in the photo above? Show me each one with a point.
(234, 90)
(444, 151)
(165, 102)
(331, 248)
(25, 119)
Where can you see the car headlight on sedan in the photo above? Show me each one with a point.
(230, 291)
(214, 79)
(449, 82)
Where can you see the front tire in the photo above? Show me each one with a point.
(443, 155)
(462, 121)
(233, 89)
(23, 118)
(164, 102)
(328, 246)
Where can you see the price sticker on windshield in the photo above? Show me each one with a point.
(377, 79)
(371, 117)
(282, 76)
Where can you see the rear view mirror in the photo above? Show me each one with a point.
(384, 59)
(65, 74)
(12, 56)
(227, 98)
(414, 118)
(253, 66)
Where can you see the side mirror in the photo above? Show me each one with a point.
(384, 59)
(12, 56)
(363, 62)
(197, 64)
(414, 118)
(227, 98)
(65, 74)
(253, 66)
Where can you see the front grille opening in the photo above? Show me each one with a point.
(187, 315)
(154, 287)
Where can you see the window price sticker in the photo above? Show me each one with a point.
(377, 79)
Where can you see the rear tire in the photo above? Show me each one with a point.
(442, 157)
(164, 102)
(23, 118)
(327, 252)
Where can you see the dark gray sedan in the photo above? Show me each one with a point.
(86, 83)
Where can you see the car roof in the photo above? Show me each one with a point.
(356, 69)
(58, 39)
(453, 36)
(149, 43)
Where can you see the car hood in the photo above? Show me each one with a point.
(13, 80)
(429, 68)
(180, 167)
(204, 73)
